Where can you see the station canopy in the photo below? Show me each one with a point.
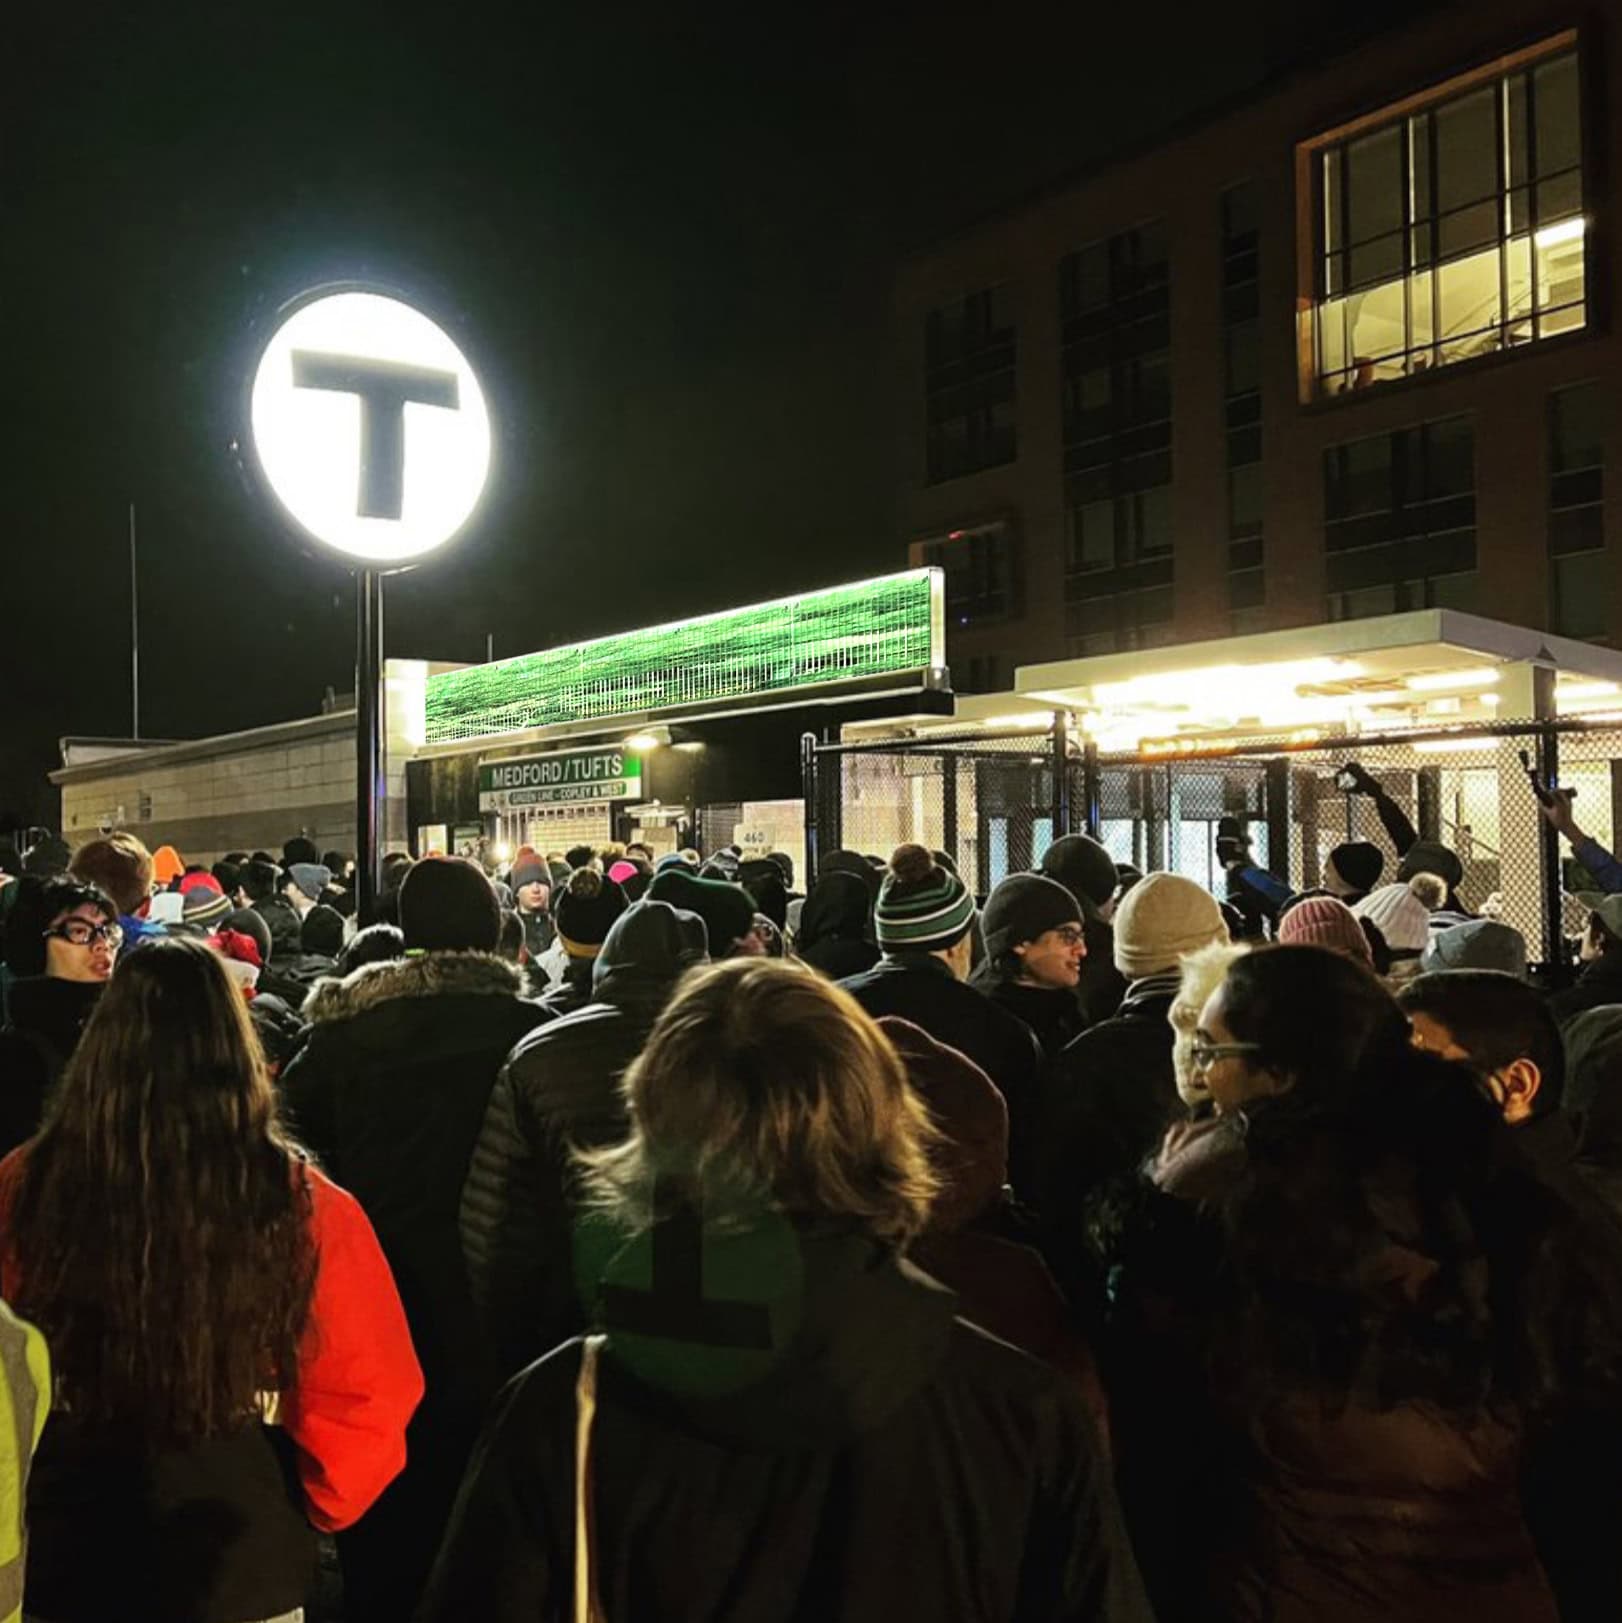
(1427, 669)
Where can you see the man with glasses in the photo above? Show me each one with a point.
(1035, 947)
(61, 941)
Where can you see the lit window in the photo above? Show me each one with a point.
(1453, 231)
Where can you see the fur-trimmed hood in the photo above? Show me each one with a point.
(428, 974)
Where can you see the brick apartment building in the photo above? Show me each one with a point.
(1348, 349)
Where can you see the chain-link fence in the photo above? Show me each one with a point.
(995, 801)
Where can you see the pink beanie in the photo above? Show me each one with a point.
(1325, 921)
(621, 871)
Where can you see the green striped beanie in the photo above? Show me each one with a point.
(921, 907)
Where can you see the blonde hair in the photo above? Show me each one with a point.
(1200, 974)
(765, 1086)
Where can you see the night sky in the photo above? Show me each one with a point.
(667, 244)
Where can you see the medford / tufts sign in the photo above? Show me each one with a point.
(561, 779)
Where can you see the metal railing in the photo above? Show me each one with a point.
(994, 800)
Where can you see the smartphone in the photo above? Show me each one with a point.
(1544, 791)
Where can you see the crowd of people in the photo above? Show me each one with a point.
(599, 1235)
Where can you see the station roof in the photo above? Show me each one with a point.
(1426, 668)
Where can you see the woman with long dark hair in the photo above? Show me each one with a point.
(231, 1360)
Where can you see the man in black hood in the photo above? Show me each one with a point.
(1087, 871)
(560, 1091)
(1035, 954)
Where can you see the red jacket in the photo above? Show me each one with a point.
(358, 1381)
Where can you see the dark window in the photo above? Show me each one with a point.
(1579, 584)
(1115, 372)
(1452, 232)
(982, 572)
(1400, 516)
(982, 673)
(969, 385)
(1243, 408)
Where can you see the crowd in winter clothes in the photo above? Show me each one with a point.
(612, 1237)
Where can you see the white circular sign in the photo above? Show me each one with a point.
(370, 426)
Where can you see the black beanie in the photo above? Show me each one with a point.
(447, 905)
(726, 909)
(586, 911)
(299, 849)
(1359, 863)
(1430, 856)
(245, 921)
(1083, 867)
(763, 880)
(1021, 908)
(322, 931)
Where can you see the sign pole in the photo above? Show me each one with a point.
(370, 785)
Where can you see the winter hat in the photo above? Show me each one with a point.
(971, 1158)
(312, 879)
(1164, 917)
(921, 907)
(166, 865)
(1021, 908)
(671, 859)
(1478, 944)
(528, 869)
(204, 907)
(447, 905)
(1400, 917)
(1359, 863)
(763, 879)
(322, 931)
(586, 912)
(726, 910)
(560, 872)
(300, 849)
(1326, 921)
(785, 866)
(245, 921)
(1429, 856)
(1084, 868)
(49, 857)
(622, 870)
(723, 865)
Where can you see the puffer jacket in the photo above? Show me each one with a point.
(560, 1091)
(390, 1091)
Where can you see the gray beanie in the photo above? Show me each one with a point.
(1478, 944)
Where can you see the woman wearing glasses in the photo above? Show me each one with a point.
(1367, 1314)
(61, 941)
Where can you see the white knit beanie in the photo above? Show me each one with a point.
(1399, 915)
(1163, 917)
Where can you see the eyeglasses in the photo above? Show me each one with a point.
(82, 933)
(1070, 935)
(1205, 1055)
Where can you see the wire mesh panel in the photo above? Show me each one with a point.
(990, 803)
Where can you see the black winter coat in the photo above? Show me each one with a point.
(1107, 1103)
(920, 988)
(1599, 985)
(286, 929)
(558, 1092)
(1102, 984)
(880, 1460)
(390, 1091)
(1054, 1016)
(44, 1018)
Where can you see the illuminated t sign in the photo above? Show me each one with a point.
(384, 388)
(370, 426)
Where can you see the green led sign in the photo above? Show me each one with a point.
(844, 634)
